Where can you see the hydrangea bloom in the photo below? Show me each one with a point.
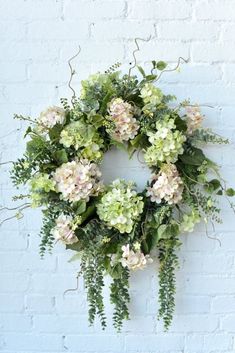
(167, 185)
(78, 180)
(189, 221)
(121, 113)
(120, 207)
(83, 136)
(194, 118)
(134, 260)
(63, 230)
(50, 117)
(40, 184)
(152, 97)
(166, 143)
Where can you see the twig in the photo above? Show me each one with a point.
(135, 51)
(72, 72)
(73, 289)
(174, 69)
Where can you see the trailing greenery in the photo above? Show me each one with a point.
(113, 229)
(167, 283)
(120, 297)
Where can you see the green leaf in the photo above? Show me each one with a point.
(162, 232)
(97, 120)
(79, 207)
(195, 157)
(75, 257)
(141, 70)
(29, 129)
(161, 65)
(215, 184)
(36, 145)
(230, 192)
(61, 156)
(180, 124)
(105, 102)
(119, 145)
(54, 133)
(150, 77)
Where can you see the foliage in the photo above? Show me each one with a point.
(113, 228)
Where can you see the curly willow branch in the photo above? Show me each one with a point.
(73, 289)
(72, 72)
(135, 51)
(174, 69)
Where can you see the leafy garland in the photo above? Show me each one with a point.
(112, 228)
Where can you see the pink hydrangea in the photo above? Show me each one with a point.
(167, 185)
(134, 260)
(63, 230)
(50, 117)
(194, 118)
(121, 113)
(78, 180)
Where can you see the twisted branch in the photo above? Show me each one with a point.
(72, 73)
(135, 51)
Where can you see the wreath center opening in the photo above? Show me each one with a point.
(117, 164)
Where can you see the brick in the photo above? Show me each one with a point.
(90, 343)
(31, 9)
(62, 30)
(220, 341)
(15, 322)
(159, 10)
(213, 52)
(39, 303)
(88, 9)
(121, 29)
(12, 283)
(228, 323)
(188, 30)
(147, 342)
(33, 342)
(215, 10)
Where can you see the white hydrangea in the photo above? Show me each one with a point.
(194, 118)
(134, 260)
(120, 207)
(78, 180)
(166, 143)
(152, 97)
(189, 221)
(121, 113)
(63, 231)
(167, 185)
(50, 117)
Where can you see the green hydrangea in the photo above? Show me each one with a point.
(189, 221)
(166, 143)
(120, 207)
(84, 137)
(40, 185)
(152, 97)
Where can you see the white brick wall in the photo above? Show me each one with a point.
(36, 39)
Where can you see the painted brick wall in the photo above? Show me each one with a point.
(36, 39)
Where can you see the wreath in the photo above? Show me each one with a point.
(113, 229)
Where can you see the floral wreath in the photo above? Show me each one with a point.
(113, 228)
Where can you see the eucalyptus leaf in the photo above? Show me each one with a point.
(161, 65)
